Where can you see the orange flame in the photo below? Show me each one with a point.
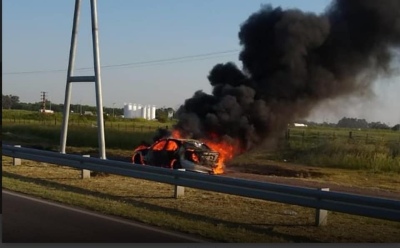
(176, 134)
(225, 149)
(195, 158)
(226, 153)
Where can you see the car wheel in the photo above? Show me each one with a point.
(137, 159)
(176, 165)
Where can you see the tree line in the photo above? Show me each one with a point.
(164, 114)
(362, 123)
(347, 122)
(12, 102)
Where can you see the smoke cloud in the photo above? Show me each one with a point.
(292, 61)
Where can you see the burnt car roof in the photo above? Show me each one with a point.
(194, 142)
(185, 140)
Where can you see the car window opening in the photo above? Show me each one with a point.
(191, 155)
(195, 158)
(159, 146)
(172, 146)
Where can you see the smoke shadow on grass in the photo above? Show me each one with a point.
(196, 217)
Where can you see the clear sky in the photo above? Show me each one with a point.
(37, 34)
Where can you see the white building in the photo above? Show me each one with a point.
(300, 125)
(47, 111)
(147, 112)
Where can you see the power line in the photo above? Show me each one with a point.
(173, 59)
(170, 62)
(142, 63)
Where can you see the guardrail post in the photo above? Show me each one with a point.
(85, 173)
(16, 161)
(179, 190)
(321, 215)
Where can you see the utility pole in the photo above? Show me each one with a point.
(73, 79)
(113, 109)
(43, 98)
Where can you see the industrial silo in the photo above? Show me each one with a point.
(148, 117)
(134, 111)
(144, 112)
(126, 110)
(139, 111)
(130, 111)
(153, 112)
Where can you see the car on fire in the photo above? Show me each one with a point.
(188, 154)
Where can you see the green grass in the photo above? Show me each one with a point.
(369, 159)
(374, 150)
(215, 216)
(379, 153)
(366, 149)
(78, 136)
(31, 117)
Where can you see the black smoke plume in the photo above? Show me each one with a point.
(292, 61)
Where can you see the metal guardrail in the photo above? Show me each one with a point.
(381, 208)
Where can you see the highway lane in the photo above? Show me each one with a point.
(31, 220)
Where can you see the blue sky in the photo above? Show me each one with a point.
(37, 33)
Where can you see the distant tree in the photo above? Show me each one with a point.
(14, 100)
(28, 106)
(396, 127)
(352, 123)
(57, 107)
(9, 101)
(378, 125)
(162, 114)
(5, 101)
(163, 118)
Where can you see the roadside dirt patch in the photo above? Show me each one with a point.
(278, 170)
(309, 183)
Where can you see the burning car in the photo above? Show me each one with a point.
(189, 154)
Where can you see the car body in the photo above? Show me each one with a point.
(188, 154)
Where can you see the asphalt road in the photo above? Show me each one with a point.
(31, 220)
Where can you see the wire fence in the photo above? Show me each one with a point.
(115, 125)
(307, 137)
(298, 136)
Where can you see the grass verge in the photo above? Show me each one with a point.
(378, 151)
(215, 216)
